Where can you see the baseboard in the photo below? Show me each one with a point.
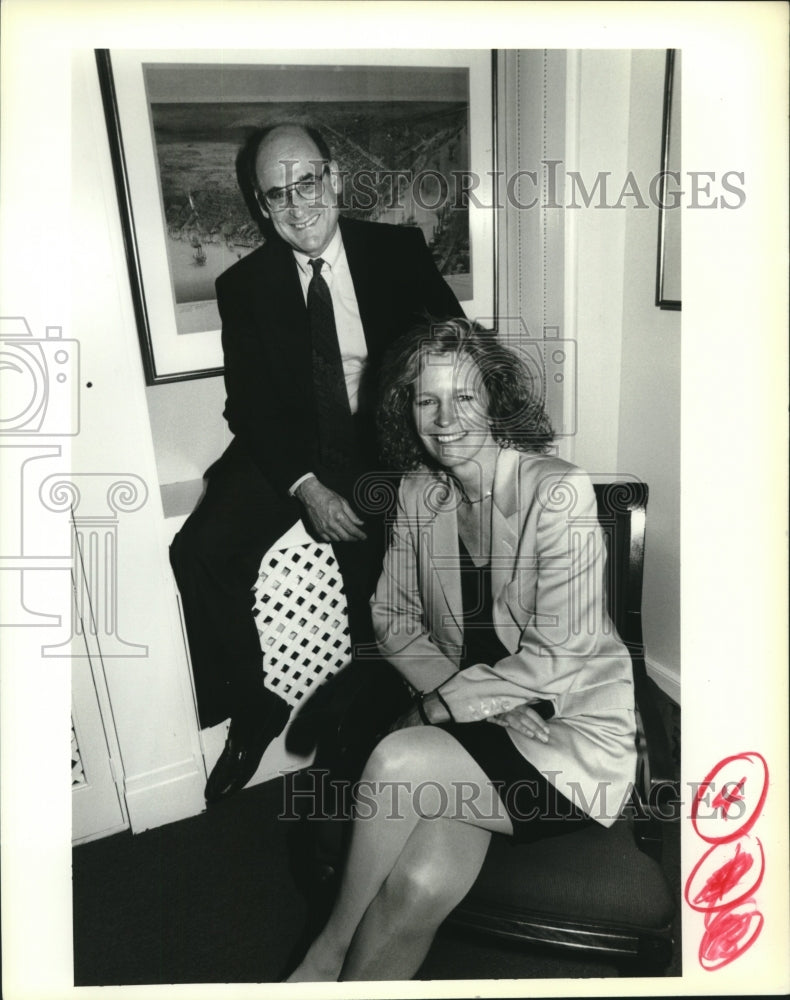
(667, 680)
(100, 834)
(166, 795)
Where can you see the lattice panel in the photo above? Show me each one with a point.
(302, 619)
(77, 772)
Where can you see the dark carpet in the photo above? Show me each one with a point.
(212, 900)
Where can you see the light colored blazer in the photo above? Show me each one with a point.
(547, 569)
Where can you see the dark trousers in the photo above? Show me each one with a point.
(215, 559)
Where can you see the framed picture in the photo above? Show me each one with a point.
(668, 272)
(412, 132)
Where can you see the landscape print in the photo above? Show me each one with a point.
(399, 134)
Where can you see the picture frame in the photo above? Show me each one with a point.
(420, 121)
(668, 272)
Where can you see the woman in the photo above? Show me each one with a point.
(491, 605)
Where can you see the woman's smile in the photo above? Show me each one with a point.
(450, 438)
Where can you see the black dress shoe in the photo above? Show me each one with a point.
(242, 753)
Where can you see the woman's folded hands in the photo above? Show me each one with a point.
(524, 719)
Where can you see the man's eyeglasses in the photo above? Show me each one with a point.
(309, 189)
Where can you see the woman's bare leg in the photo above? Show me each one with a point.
(412, 774)
(435, 870)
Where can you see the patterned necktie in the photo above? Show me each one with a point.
(337, 447)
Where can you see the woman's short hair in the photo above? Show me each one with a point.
(518, 419)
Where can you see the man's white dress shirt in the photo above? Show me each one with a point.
(350, 335)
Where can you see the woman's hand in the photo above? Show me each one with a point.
(524, 720)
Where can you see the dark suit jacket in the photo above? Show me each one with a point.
(266, 338)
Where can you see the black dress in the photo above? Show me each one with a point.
(536, 808)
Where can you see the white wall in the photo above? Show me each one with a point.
(649, 418)
(595, 248)
(150, 691)
(187, 427)
(628, 349)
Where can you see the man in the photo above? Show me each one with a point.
(305, 321)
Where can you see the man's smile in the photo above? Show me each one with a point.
(307, 223)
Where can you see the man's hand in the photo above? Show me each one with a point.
(524, 720)
(330, 515)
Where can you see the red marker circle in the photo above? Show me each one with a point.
(737, 785)
(725, 937)
(722, 870)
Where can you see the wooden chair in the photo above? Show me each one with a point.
(597, 891)
(600, 891)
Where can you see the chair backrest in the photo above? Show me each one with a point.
(622, 508)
